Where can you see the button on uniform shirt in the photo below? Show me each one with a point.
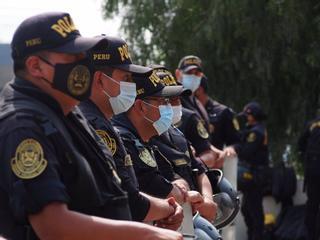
(150, 179)
(224, 127)
(39, 165)
(139, 205)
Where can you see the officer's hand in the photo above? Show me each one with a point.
(194, 198)
(230, 152)
(208, 209)
(175, 219)
(220, 155)
(164, 234)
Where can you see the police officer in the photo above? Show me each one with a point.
(113, 92)
(309, 145)
(223, 126)
(195, 122)
(254, 153)
(56, 180)
(175, 148)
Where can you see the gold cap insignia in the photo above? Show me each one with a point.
(147, 158)
(251, 137)
(314, 125)
(28, 162)
(202, 131)
(108, 141)
(79, 80)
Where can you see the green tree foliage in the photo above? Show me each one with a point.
(264, 50)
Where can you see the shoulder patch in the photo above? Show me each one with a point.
(29, 160)
(147, 158)
(251, 137)
(236, 124)
(202, 131)
(127, 160)
(108, 141)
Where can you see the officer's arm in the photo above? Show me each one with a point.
(55, 221)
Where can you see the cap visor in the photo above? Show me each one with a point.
(133, 68)
(169, 91)
(81, 44)
(188, 68)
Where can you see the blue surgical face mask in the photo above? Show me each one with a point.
(125, 99)
(191, 81)
(177, 114)
(165, 120)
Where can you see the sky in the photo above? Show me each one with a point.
(86, 14)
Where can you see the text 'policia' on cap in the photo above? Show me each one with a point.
(116, 55)
(54, 31)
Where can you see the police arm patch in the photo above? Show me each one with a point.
(236, 124)
(108, 141)
(147, 158)
(29, 159)
(202, 131)
(251, 137)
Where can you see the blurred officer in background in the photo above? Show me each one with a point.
(113, 92)
(254, 154)
(194, 122)
(309, 146)
(223, 126)
(57, 181)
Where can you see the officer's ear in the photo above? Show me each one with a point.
(34, 67)
(178, 75)
(139, 106)
(97, 81)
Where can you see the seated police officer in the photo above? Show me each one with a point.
(223, 126)
(254, 153)
(57, 182)
(175, 148)
(195, 123)
(113, 92)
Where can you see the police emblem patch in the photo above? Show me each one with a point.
(236, 124)
(28, 162)
(79, 80)
(107, 140)
(147, 158)
(202, 131)
(251, 137)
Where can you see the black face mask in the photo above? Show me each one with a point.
(73, 79)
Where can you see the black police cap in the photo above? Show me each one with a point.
(253, 108)
(190, 62)
(168, 79)
(53, 31)
(150, 85)
(116, 55)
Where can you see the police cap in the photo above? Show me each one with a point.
(54, 31)
(254, 108)
(190, 62)
(116, 55)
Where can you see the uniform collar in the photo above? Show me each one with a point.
(28, 88)
(89, 106)
(123, 121)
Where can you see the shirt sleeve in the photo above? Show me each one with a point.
(30, 172)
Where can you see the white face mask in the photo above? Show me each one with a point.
(177, 114)
(125, 99)
(164, 122)
(191, 81)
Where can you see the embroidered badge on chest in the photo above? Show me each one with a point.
(251, 137)
(29, 160)
(202, 131)
(147, 158)
(108, 141)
